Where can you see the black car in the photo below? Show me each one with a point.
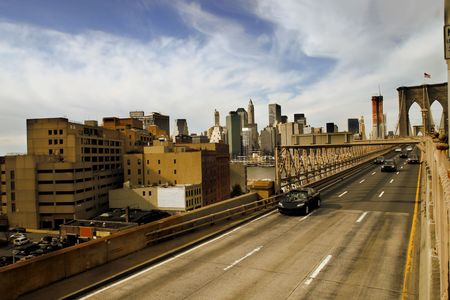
(389, 165)
(299, 201)
(413, 159)
(404, 154)
(379, 160)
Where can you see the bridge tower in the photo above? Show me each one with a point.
(424, 95)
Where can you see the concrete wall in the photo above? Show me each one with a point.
(70, 261)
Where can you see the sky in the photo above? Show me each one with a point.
(90, 59)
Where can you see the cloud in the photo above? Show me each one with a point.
(324, 59)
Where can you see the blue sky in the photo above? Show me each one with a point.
(90, 59)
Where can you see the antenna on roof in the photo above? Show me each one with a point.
(379, 90)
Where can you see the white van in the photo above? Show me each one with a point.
(21, 241)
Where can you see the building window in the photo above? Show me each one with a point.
(159, 171)
(175, 182)
(50, 132)
(50, 142)
(13, 196)
(11, 174)
(139, 161)
(143, 193)
(139, 171)
(13, 207)
(174, 171)
(148, 162)
(159, 162)
(60, 131)
(61, 151)
(60, 141)
(55, 132)
(174, 161)
(129, 172)
(56, 142)
(149, 193)
(13, 186)
(128, 162)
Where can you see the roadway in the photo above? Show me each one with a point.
(354, 247)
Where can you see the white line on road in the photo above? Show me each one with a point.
(381, 194)
(373, 173)
(397, 173)
(392, 180)
(242, 258)
(172, 258)
(361, 217)
(307, 216)
(343, 194)
(362, 181)
(318, 269)
(401, 167)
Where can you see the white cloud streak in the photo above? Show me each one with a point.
(89, 75)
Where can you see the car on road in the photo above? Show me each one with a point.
(379, 160)
(403, 154)
(299, 201)
(409, 148)
(413, 159)
(398, 149)
(389, 165)
(21, 241)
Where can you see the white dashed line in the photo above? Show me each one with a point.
(242, 258)
(361, 217)
(305, 217)
(392, 180)
(381, 194)
(397, 173)
(374, 173)
(343, 194)
(362, 181)
(318, 269)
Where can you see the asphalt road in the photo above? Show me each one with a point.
(354, 247)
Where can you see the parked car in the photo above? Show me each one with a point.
(14, 236)
(389, 165)
(409, 148)
(21, 241)
(379, 160)
(413, 159)
(46, 239)
(299, 201)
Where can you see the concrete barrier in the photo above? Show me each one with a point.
(16, 280)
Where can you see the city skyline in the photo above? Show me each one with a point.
(184, 59)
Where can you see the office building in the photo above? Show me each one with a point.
(205, 164)
(284, 119)
(268, 139)
(300, 118)
(154, 118)
(330, 127)
(216, 118)
(378, 130)
(274, 114)
(362, 128)
(287, 131)
(181, 127)
(131, 129)
(234, 133)
(244, 117)
(353, 126)
(251, 112)
(65, 175)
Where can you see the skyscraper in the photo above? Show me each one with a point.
(330, 127)
(353, 126)
(362, 128)
(377, 117)
(181, 127)
(251, 112)
(274, 114)
(216, 118)
(234, 133)
(244, 116)
(300, 118)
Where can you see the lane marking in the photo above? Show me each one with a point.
(373, 173)
(392, 180)
(361, 217)
(305, 217)
(401, 167)
(172, 258)
(397, 173)
(318, 269)
(362, 181)
(381, 194)
(409, 255)
(343, 194)
(242, 258)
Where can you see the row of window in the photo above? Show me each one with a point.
(55, 131)
(55, 141)
(139, 171)
(148, 161)
(194, 201)
(87, 150)
(100, 158)
(86, 141)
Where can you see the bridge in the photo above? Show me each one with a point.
(377, 235)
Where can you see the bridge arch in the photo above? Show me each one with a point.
(424, 96)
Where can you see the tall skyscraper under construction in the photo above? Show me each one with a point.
(378, 124)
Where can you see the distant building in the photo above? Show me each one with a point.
(234, 133)
(251, 112)
(353, 126)
(362, 128)
(288, 130)
(135, 137)
(181, 127)
(268, 140)
(322, 139)
(300, 118)
(216, 134)
(330, 127)
(274, 114)
(243, 116)
(378, 130)
(154, 118)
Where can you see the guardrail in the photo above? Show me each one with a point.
(435, 222)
